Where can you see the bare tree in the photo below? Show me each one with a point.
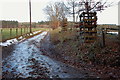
(72, 6)
(78, 6)
(93, 5)
(56, 12)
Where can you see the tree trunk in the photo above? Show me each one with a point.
(73, 12)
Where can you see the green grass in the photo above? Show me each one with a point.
(15, 32)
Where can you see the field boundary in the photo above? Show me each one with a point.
(11, 33)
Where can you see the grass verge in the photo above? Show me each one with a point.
(7, 33)
(92, 57)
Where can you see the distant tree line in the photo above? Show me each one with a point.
(15, 24)
(9, 24)
(34, 24)
(43, 23)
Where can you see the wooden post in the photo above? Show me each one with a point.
(27, 30)
(119, 37)
(21, 31)
(103, 38)
(118, 32)
(1, 30)
(16, 31)
(24, 30)
(10, 32)
(30, 15)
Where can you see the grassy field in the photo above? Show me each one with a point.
(8, 33)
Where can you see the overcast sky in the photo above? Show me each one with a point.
(19, 10)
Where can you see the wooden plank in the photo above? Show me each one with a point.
(89, 19)
(90, 26)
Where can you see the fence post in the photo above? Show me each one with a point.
(21, 31)
(27, 29)
(1, 30)
(24, 30)
(16, 31)
(103, 38)
(1, 34)
(10, 32)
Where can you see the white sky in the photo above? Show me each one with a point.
(19, 10)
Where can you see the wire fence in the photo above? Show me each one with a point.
(9, 33)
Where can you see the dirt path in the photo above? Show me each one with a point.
(28, 60)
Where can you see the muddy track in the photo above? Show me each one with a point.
(27, 60)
